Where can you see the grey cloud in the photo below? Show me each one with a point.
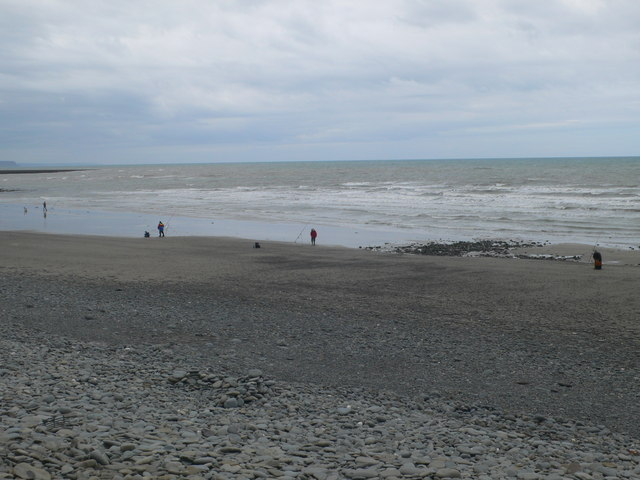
(233, 76)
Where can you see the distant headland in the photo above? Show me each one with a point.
(9, 167)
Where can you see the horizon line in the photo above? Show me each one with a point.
(11, 164)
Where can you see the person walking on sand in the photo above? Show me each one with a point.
(597, 260)
(314, 234)
(161, 229)
(44, 206)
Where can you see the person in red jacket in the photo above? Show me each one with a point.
(314, 234)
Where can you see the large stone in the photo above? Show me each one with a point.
(24, 470)
(526, 475)
(99, 457)
(410, 470)
(366, 461)
(448, 473)
(361, 473)
(231, 403)
(177, 375)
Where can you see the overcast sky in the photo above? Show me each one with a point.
(252, 80)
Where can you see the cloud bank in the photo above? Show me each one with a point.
(199, 80)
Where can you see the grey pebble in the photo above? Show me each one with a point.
(150, 412)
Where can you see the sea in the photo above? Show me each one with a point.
(593, 201)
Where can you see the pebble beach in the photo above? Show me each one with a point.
(205, 358)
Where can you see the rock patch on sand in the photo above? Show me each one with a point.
(478, 248)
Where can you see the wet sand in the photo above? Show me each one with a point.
(611, 256)
(551, 338)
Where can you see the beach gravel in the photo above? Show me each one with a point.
(322, 365)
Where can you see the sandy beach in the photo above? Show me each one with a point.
(206, 358)
(546, 337)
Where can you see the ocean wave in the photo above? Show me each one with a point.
(443, 196)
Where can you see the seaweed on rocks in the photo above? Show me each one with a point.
(487, 248)
(476, 248)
